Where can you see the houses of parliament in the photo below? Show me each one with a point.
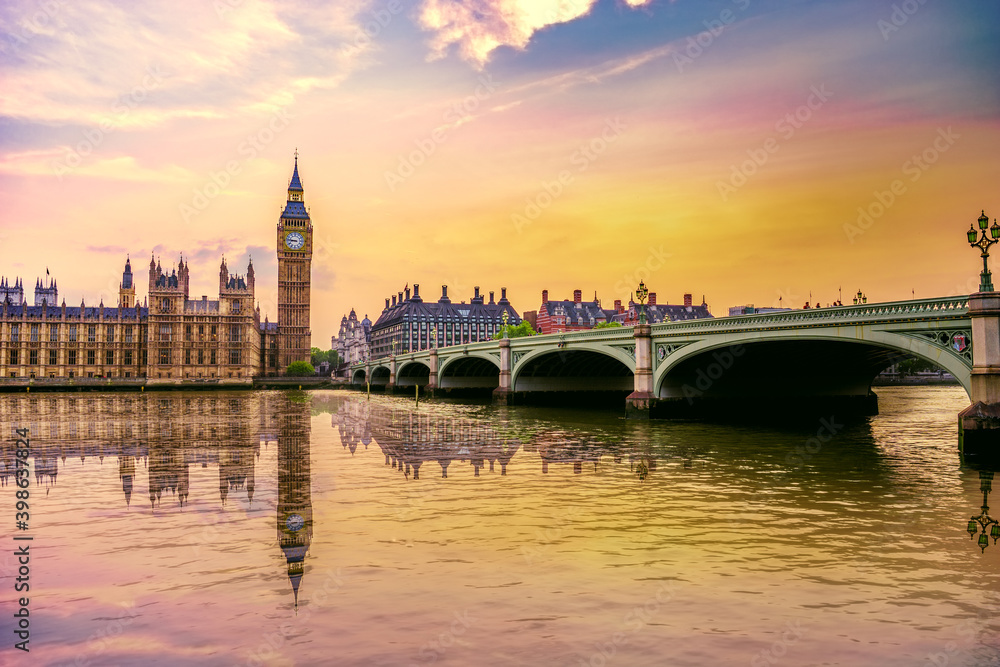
(170, 338)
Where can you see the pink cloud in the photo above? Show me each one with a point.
(478, 27)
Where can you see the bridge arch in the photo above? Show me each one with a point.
(475, 370)
(576, 368)
(412, 372)
(776, 363)
(358, 377)
(380, 376)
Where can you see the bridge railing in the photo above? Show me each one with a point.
(919, 309)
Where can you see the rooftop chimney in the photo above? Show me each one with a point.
(618, 306)
(545, 296)
(476, 295)
(577, 296)
(400, 299)
(394, 301)
(652, 298)
(491, 297)
(407, 292)
(387, 303)
(416, 292)
(444, 295)
(503, 295)
(687, 299)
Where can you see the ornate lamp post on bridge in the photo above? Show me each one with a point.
(640, 401)
(984, 243)
(984, 520)
(641, 293)
(860, 298)
(505, 317)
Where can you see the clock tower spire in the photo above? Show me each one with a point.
(295, 243)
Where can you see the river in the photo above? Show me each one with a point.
(295, 528)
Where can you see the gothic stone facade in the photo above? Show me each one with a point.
(171, 337)
(351, 343)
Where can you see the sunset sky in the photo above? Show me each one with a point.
(748, 150)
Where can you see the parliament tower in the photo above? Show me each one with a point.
(295, 244)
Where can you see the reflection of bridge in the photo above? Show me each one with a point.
(411, 440)
(830, 352)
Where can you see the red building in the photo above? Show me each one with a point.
(575, 315)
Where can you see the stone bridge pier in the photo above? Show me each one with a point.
(979, 424)
(502, 394)
(391, 387)
(432, 379)
(639, 402)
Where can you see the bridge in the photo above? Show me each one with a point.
(823, 356)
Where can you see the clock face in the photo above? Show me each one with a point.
(294, 240)
(295, 522)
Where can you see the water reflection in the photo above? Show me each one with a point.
(550, 523)
(295, 518)
(168, 434)
(990, 527)
(409, 440)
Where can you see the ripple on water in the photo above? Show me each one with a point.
(639, 544)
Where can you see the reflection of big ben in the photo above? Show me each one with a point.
(295, 522)
(295, 245)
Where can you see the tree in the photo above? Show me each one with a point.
(300, 369)
(318, 356)
(607, 325)
(913, 366)
(522, 329)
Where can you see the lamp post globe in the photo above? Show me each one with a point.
(641, 293)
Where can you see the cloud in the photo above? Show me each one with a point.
(108, 249)
(143, 64)
(51, 162)
(478, 27)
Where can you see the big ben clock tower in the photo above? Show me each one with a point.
(295, 244)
